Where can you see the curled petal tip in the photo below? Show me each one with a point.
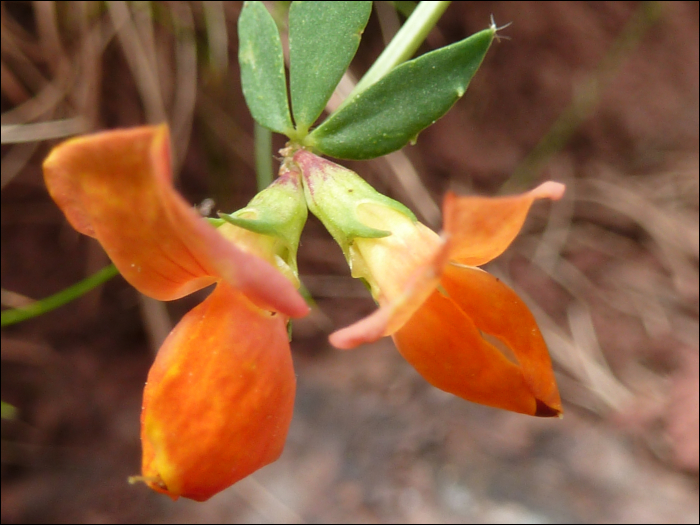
(269, 289)
(542, 409)
(296, 306)
(483, 227)
(341, 341)
(549, 190)
(393, 314)
(366, 330)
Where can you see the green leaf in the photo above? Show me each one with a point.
(262, 68)
(323, 38)
(391, 113)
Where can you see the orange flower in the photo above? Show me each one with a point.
(219, 396)
(464, 331)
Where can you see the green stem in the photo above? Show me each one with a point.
(263, 156)
(403, 45)
(52, 302)
(8, 411)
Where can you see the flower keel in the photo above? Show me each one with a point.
(219, 397)
(479, 341)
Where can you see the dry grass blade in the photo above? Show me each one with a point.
(594, 370)
(47, 130)
(265, 503)
(141, 59)
(217, 35)
(186, 78)
(49, 35)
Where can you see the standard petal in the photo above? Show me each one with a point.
(447, 349)
(481, 228)
(497, 311)
(116, 187)
(219, 397)
(107, 186)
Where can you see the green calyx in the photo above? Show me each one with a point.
(279, 213)
(334, 194)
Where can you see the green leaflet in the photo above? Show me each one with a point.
(323, 39)
(391, 113)
(262, 68)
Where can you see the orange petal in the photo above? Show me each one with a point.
(392, 315)
(482, 228)
(219, 397)
(446, 348)
(116, 186)
(497, 311)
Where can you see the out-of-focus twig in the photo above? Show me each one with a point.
(585, 99)
(58, 299)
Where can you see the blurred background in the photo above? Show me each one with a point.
(602, 96)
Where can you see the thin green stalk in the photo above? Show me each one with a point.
(8, 411)
(52, 302)
(263, 156)
(403, 45)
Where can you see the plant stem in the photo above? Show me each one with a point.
(263, 156)
(8, 411)
(403, 45)
(52, 302)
